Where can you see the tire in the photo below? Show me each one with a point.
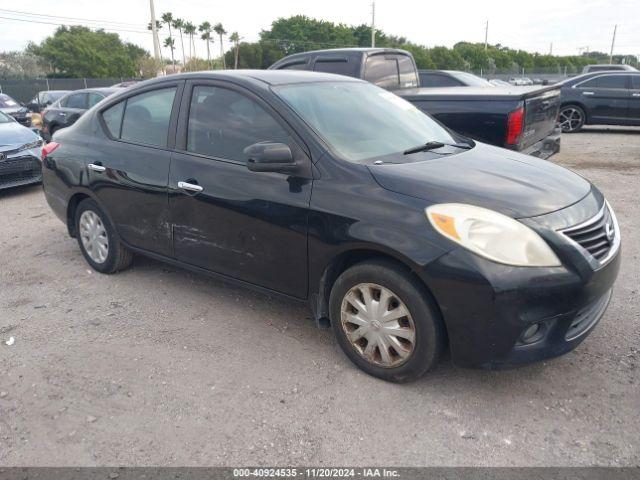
(114, 256)
(406, 360)
(571, 118)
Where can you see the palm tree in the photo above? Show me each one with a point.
(178, 24)
(171, 44)
(205, 29)
(235, 38)
(190, 29)
(219, 29)
(167, 18)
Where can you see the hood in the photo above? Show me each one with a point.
(13, 135)
(502, 180)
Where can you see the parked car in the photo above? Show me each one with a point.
(20, 152)
(404, 236)
(499, 83)
(521, 119)
(66, 110)
(600, 98)
(450, 78)
(126, 84)
(13, 108)
(608, 68)
(520, 81)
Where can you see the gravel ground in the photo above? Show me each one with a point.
(159, 366)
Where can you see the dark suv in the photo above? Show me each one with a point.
(601, 98)
(405, 237)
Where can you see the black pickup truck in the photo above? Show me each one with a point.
(519, 118)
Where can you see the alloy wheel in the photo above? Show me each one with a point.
(378, 325)
(94, 236)
(570, 119)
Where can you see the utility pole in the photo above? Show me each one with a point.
(154, 30)
(613, 42)
(486, 35)
(373, 24)
(551, 49)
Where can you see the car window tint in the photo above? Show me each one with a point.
(113, 119)
(94, 98)
(294, 66)
(77, 100)
(222, 123)
(612, 81)
(337, 66)
(146, 117)
(382, 71)
(438, 80)
(408, 76)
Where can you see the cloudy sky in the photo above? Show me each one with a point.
(533, 26)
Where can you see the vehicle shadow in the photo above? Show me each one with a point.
(611, 129)
(17, 191)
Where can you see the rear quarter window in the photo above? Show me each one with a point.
(339, 66)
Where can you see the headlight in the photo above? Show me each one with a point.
(29, 146)
(491, 235)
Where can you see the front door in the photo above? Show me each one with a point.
(251, 226)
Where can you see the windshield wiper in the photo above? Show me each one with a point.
(435, 145)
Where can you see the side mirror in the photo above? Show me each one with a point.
(270, 157)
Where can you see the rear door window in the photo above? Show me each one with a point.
(408, 76)
(606, 81)
(146, 117)
(382, 70)
(302, 65)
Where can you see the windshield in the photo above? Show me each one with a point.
(472, 80)
(361, 121)
(4, 118)
(7, 102)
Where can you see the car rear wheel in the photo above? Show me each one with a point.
(571, 118)
(98, 240)
(385, 322)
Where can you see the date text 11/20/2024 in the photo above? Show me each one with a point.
(316, 472)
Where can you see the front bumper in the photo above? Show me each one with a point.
(22, 169)
(487, 306)
(546, 147)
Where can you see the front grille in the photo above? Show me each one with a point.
(587, 317)
(20, 171)
(597, 236)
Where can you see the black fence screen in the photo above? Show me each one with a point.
(24, 90)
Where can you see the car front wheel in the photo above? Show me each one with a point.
(385, 321)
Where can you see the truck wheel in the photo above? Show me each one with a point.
(98, 240)
(385, 322)
(571, 118)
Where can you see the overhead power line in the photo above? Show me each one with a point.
(60, 24)
(44, 15)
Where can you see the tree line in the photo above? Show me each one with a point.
(78, 51)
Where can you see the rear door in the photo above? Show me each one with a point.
(70, 110)
(251, 226)
(128, 171)
(606, 98)
(634, 100)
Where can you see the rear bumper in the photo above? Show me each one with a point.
(546, 147)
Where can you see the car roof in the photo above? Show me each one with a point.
(268, 77)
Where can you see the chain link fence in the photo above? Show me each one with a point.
(24, 89)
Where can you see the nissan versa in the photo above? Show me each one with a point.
(406, 237)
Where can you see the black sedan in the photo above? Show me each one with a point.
(403, 236)
(66, 110)
(450, 78)
(20, 153)
(600, 98)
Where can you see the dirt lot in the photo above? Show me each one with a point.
(159, 366)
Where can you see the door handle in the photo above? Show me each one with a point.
(62, 114)
(191, 187)
(96, 168)
(635, 94)
(588, 93)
